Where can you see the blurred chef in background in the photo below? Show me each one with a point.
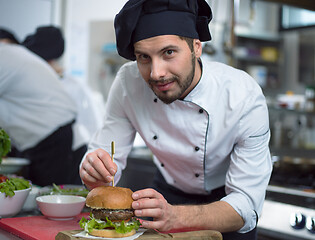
(38, 115)
(48, 43)
(7, 36)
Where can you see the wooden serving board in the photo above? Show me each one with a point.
(151, 234)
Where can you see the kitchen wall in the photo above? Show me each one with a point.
(79, 15)
(23, 16)
(88, 27)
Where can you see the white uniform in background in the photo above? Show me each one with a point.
(90, 106)
(33, 102)
(38, 115)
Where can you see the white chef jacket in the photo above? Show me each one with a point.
(218, 135)
(90, 106)
(33, 102)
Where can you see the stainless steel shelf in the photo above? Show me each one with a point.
(293, 152)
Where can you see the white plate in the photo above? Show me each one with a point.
(11, 165)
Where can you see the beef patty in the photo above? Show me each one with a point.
(113, 214)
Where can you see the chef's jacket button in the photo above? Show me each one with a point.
(197, 149)
(200, 110)
(162, 164)
(197, 175)
(155, 100)
(155, 137)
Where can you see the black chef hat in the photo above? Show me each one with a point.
(141, 19)
(47, 42)
(5, 34)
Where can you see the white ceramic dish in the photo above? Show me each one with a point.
(60, 207)
(10, 206)
(11, 165)
(30, 202)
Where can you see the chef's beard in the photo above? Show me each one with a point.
(183, 85)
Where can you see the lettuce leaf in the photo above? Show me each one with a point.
(120, 227)
(10, 185)
(5, 144)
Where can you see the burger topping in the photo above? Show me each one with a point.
(120, 227)
(113, 215)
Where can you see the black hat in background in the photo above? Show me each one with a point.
(47, 42)
(141, 19)
(5, 34)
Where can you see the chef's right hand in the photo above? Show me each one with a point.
(97, 169)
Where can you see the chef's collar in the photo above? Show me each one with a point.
(142, 19)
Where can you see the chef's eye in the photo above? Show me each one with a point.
(169, 52)
(143, 58)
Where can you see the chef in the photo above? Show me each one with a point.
(206, 124)
(38, 115)
(7, 36)
(48, 43)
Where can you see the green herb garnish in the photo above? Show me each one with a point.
(64, 190)
(5, 144)
(13, 184)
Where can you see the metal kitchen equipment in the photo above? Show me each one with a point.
(289, 209)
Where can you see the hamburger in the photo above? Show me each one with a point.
(111, 213)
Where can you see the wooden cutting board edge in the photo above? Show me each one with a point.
(152, 234)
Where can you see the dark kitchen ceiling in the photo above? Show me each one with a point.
(306, 4)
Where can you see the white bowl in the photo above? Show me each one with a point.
(30, 202)
(10, 206)
(60, 207)
(12, 165)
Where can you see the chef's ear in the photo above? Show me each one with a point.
(197, 48)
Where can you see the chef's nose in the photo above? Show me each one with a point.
(158, 70)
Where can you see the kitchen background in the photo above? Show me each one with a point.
(272, 40)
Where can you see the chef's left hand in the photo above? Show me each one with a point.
(150, 203)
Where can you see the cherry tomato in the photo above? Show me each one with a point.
(3, 178)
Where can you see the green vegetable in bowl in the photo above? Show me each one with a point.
(68, 190)
(13, 184)
(5, 144)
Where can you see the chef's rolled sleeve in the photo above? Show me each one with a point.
(248, 177)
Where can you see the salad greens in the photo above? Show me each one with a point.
(120, 227)
(10, 185)
(65, 190)
(5, 144)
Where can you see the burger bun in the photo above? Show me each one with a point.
(111, 233)
(109, 197)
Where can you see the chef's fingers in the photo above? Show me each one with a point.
(89, 173)
(148, 203)
(152, 212)
(160, 225)
(89, 181)
(97, 166)
(87, 178)
(106, 159)
(147, 193)
(162, 220)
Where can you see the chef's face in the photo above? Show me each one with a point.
(168, 65)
